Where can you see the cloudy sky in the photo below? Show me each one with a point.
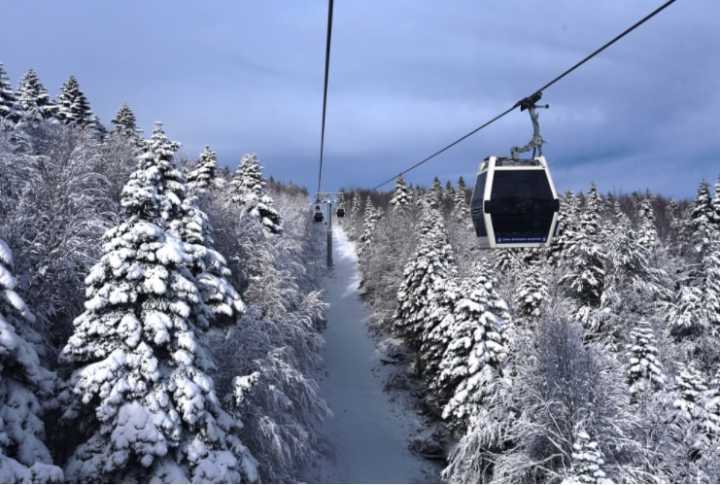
(408, 76)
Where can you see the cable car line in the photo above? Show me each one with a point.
(325, 92)
(530, 100)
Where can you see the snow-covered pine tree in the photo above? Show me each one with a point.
(647, 231)
(691, 387)
(73, 106)
(145, 404)
(587, 460)
(449, 193)
(712, 407)
(586, 275)
(400, 201)
(125, 124)
(34, 104)
(532, 292)
(370, 219)
(688, 314)
(24, 385)
(355, 209)
(711, 274)
(477, 348)
(702, 217)
(628, 252)
(8, 100)
(249, 192)
(202, 176)
(432, 261)
(644, 370)
(437, 191)
(716, 204)
(443, 298)
(505, 261)
(568, 229)
(461, 209)
(186, 221)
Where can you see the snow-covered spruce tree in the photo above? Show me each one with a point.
(568, 229)
(400, 201)
(647, 231)
(371, 217)
(186, 221)
(586, 275)
(250, 193)
(24, 385)
(435, 336)
(688, 315)
(432, 261)
(125, 124)
(702, 217)
(8, 100)
(202, 176)
(73, 106)
(711, 274)
(716, 204)
(33, 101)
(146, 407)
(476, 350)
(532, 292)
(587, 460)
(644, 370)
(437, 191)
(461, 209)
(691, 387)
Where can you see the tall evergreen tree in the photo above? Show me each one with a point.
(8, 100)
(249, 192)
(711, 274)
(432, 262)
(370, 219)
(476, 350)
(644, 371)
(24, 385)
(647, 230)
(568, 229)
(202, 176)
(125, 124)
(33, 101)
(702, 216)
(688, 315)
(461, 210)
(532, 292)
(147, 405)
(586, 276)
(73, 106)
(400, 201)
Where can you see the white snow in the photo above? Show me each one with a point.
(368, 433)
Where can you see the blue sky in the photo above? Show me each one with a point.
(407, 77)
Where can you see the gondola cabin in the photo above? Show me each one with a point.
(514, 203)
(340, 212)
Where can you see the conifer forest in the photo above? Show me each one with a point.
(176, 315)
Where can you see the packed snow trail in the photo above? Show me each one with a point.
(368, 435)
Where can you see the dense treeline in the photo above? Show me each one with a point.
(593, 360)
(158, 322)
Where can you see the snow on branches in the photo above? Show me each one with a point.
(24, 385)
(139, 353)
(249, 192)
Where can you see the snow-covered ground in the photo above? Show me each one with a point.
(367, 438)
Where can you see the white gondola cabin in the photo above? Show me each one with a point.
(514, 203)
